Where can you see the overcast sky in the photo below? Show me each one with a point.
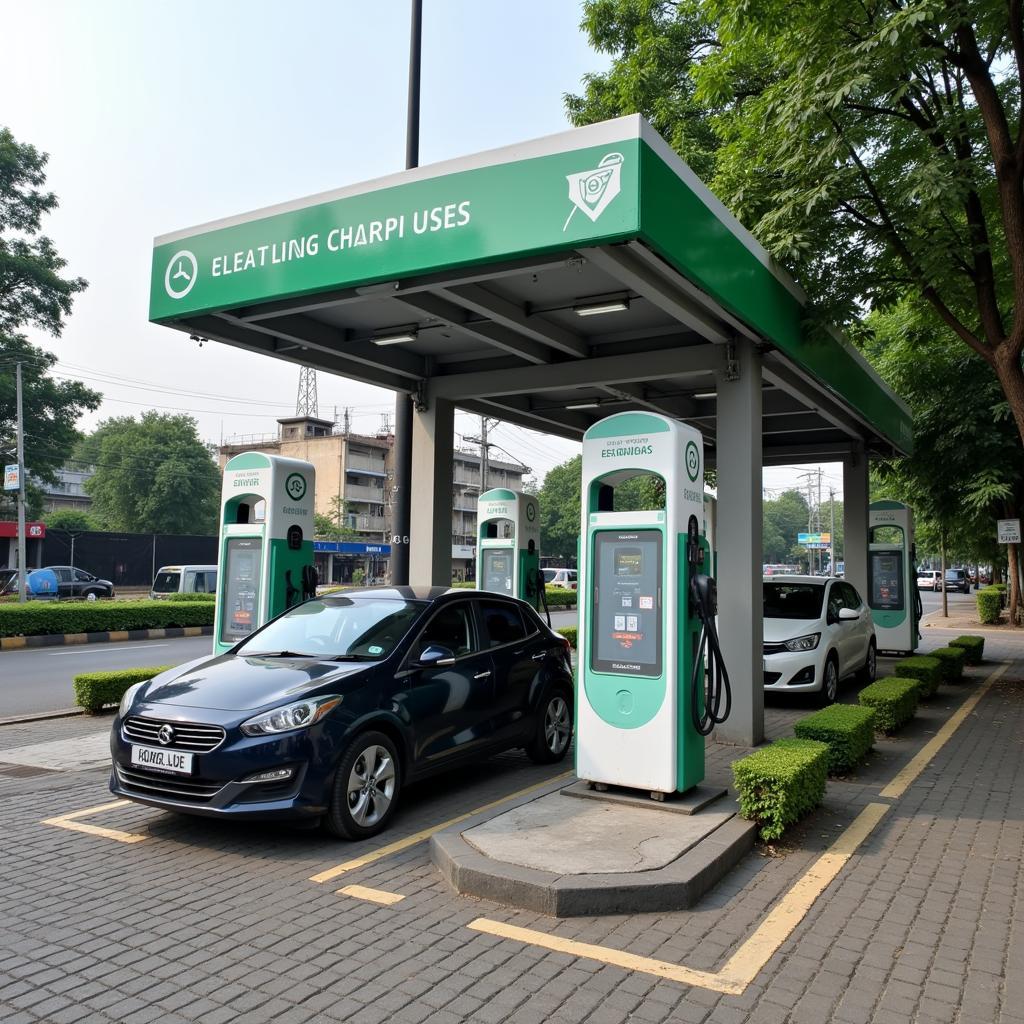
(160, 116)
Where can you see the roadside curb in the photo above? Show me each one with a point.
(42, 716)
(19, 643)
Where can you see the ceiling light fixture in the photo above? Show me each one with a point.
(398, 338)
(706, 394)
(584, 405)
(596, 308)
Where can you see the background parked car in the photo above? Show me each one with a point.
(957, 579)
(817, 632)
(566, 578)
(184, 579)
(72, 582)
(929, 579)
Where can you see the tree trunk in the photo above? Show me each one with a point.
(1007, 364)
(1011, 554)
(942, 553)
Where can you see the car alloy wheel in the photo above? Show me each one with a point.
(830, 684)
(91, 596)
(371, 786)
(557, 725)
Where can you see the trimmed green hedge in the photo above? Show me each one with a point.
(893, 700)
(569, 632)
(972, 646)
(95, 690)
(990, 604)
(38, 618)
(952, 660)
(848, 731)
(559, 597)
(191, 597)
(780, 784)
(928, 671)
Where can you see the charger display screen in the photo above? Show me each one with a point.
(240, 613)
(886, 588)
(496, 572)
(626, 595)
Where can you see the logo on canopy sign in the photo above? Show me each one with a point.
(592, 191)
(181, 273)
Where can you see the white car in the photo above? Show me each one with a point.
(817, 632)
(565, 578)
(929, 579)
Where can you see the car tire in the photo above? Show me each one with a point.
(553, 732)
(91, 595)
(366, 788)
(867, 673)
(830, 683)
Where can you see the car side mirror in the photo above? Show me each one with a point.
(435, 655)
(848, 614)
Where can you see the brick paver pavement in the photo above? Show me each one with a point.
(218, 922)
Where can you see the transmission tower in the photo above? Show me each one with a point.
(305, 401)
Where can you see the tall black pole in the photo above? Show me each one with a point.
(403, 404)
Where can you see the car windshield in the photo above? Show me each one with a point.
(793, 600)
(166, 582)
(337, 627)
(549, 574)
(954, 574)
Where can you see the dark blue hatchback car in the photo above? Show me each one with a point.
(327, 711)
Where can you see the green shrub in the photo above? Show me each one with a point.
(95, 690)
(780, 784)
(972, 646)
(38, 618)
(952, 661)
(464, 585)
(893, 700)
(558, 597)
(569, 632)
(191, 597)
(990, 604)
(928, 672)
(848, 731)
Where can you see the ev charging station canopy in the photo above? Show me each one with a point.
(550, 283)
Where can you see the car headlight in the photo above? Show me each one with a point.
(129, 696)
(299, 715)
(803, 643)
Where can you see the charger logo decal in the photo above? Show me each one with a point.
(692, 460)
(592, 191)
(181, 273)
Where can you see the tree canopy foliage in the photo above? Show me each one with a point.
(33, 293)
(152, 475)
(876, 149)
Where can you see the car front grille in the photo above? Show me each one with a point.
(187, 735)
(774, 648)
(172, 787)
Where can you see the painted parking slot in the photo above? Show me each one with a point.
(361, 892)
(73, 824)
(754, 953)
(424, 834)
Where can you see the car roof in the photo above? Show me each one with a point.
(798, 579)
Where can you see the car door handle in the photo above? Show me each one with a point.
(481, 675)
(539, 657)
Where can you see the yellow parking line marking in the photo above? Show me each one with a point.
(70, 822)
(605, 955)
(910, 771)
(418, 837)
(749, 960)
(360, 892)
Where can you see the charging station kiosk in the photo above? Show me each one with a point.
(266, 543)
(893, 597)
(642, 685)
(508, 544)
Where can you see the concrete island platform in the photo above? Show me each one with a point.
(567, 850)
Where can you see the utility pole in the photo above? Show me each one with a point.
(832, 530)
(484, 454)
(400, 523)
(21, 489)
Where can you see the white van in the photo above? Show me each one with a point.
(184, 579)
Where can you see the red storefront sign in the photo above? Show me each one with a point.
(33, 531)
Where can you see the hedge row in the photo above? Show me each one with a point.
(893, 701)
(570, 633)
(780, 784)
(191, 597)
(37, 618)
(925, 669)
(951, 663)
(95, 690)
(557, 597)
(990, 604)
(846, 729)
(973, 647)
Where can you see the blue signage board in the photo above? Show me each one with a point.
(346, 547)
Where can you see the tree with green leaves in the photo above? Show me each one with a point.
(74, 520)
(333, 525)
(33, 293)
(559, 500)
(875, 149)
(783, 518)
(152, 475)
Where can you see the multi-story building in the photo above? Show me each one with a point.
(354, 472)
(68, 491)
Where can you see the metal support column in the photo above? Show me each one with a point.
(740, 617)
(430, 541)
(855, 521)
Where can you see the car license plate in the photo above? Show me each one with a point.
(163, 760)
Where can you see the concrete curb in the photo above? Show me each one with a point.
(19, 643)
(41, 716)
(677, 886)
